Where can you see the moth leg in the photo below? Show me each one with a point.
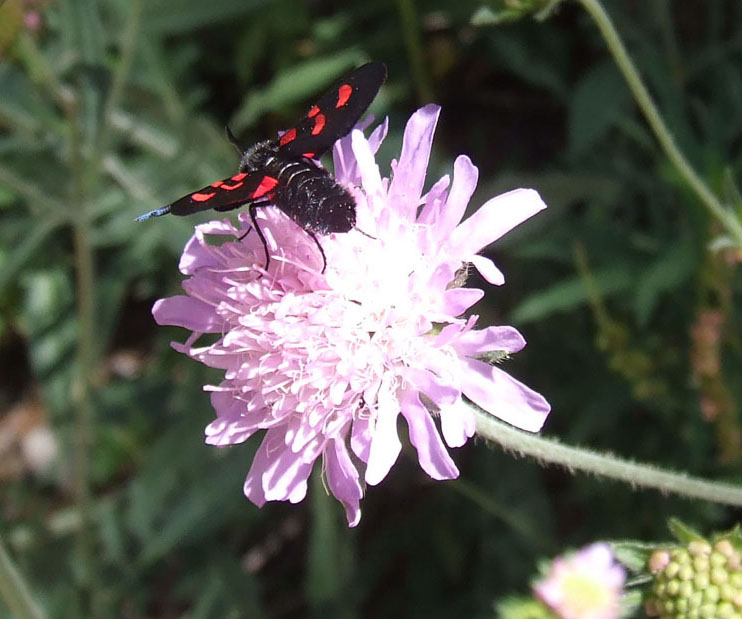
(251, 210)
(321, 251)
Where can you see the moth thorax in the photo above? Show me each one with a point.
(259, 156)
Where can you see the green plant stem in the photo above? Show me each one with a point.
(39, 203)
(725, 216)
(128, 46)
(413, 42)
(523, 525)
(609, 466)
(79, 210)
(14, 589)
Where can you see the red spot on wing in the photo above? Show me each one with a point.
(239, 177)
(313, 112)
(344, 93)
(319, 124)
(266, 185)
(308, 155)
(231, 187)
(287, 137)
(202, 197)
(217, 184)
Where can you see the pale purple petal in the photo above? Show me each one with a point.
(188, 313)
(407, 185)
(431, 453)
(198, 254)
(345, 164)
(433, 202)
(360, 437)
(487, 269)
(494, 219)
(385, 443)
(432, 386)
(457, 423)
(378, 135)
(370, 175)
(504, 397)
(457, 300)
(480, 341)
(285, 474)
(342, 478)
(465, 176)
(253, 487)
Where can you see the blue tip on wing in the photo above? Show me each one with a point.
(158, 212)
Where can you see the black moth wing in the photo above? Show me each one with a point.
(225, 195)
(334, 114)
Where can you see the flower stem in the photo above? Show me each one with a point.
(14, 589)
(725, 216)
(413, 42)
(574, 458)
(82, 389)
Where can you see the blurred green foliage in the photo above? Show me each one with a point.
(111, 108)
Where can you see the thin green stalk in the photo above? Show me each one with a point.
(726, 217)
(523, 525)
(413, 42)
(79, 210)
(608, 466)
(35, 198)
(14, 589)
(128, 46)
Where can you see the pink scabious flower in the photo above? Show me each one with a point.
(585, 585)
(325, 363)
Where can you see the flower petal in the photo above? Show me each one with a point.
(465, 176)
(493, 219)
(187, 312)
(480, 341)
(342, 479)
(407, 184)
(487, 269)
(370, 175)
(501, 395)
(457, 423)
(457, 300)
(431, 452)
(285, 474)
(385, 443)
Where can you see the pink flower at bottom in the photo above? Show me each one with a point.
(585, 585)
(326, 363)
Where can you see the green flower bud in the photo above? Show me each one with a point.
(701, 580)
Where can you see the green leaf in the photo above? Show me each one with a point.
(684, 533)
(597, 104)
(169, 17)
(672, 268)
(294, 85)
(569, 294)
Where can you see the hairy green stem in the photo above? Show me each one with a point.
(14, 590)
(725, 216)
(574, 458)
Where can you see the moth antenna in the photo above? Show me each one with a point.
(156, 213)
(233, 139)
